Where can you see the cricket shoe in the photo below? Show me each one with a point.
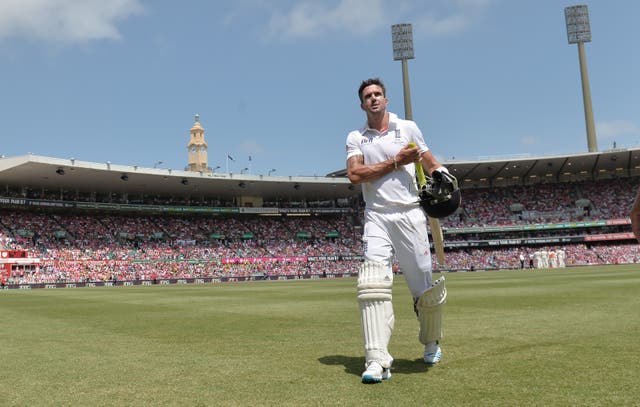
(432, 353)
(375, 373)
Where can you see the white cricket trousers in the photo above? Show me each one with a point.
(403, 233)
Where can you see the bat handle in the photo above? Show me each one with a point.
(422, 180)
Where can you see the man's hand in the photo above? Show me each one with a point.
(440, 186)
(407, 155)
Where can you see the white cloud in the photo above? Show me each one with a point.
(451, 16)
(313, 19)
(472, 3)
(65, 21)
(252, 148)
(616, 128)
(529, 140)
(445, 25)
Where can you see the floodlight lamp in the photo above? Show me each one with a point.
(402, 39)
(578, 27)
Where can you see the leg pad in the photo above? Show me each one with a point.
(429, 307)
(375, 282)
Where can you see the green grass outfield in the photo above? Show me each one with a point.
(567, 337)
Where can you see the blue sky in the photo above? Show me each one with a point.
(276, 80)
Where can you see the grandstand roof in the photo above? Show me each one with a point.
(560, 168)
(55, 174)
(519, 170)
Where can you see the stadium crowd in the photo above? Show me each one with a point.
(545, 203)
(90, 246)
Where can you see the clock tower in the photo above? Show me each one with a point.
(197, 148)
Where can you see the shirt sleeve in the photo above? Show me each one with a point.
(353, 146)
(417, 137)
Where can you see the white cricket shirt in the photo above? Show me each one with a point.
(397, 190)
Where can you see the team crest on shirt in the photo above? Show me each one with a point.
(397, 137)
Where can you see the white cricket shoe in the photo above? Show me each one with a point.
(375, 373)
(432, 353)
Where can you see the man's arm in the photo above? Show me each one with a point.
(359, 172)
(635, 217)
(429, 162)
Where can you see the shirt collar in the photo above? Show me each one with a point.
(393, 124)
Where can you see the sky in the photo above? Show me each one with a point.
(275, 82)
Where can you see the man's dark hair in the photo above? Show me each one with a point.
(369, 82)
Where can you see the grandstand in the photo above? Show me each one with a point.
(65, 221)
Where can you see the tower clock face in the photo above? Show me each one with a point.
(193, 149)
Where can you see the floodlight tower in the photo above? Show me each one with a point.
(402, 39)
(579, 32)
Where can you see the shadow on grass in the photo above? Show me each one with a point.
(354, 365)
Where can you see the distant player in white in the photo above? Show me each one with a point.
(561, 258)
(379, 159)
(537, 256)
(544, 259)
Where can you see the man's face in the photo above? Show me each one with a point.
(373, 100)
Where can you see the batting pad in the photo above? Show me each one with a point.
(429, 308)
(375, 282)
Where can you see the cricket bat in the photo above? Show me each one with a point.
(434, 224)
